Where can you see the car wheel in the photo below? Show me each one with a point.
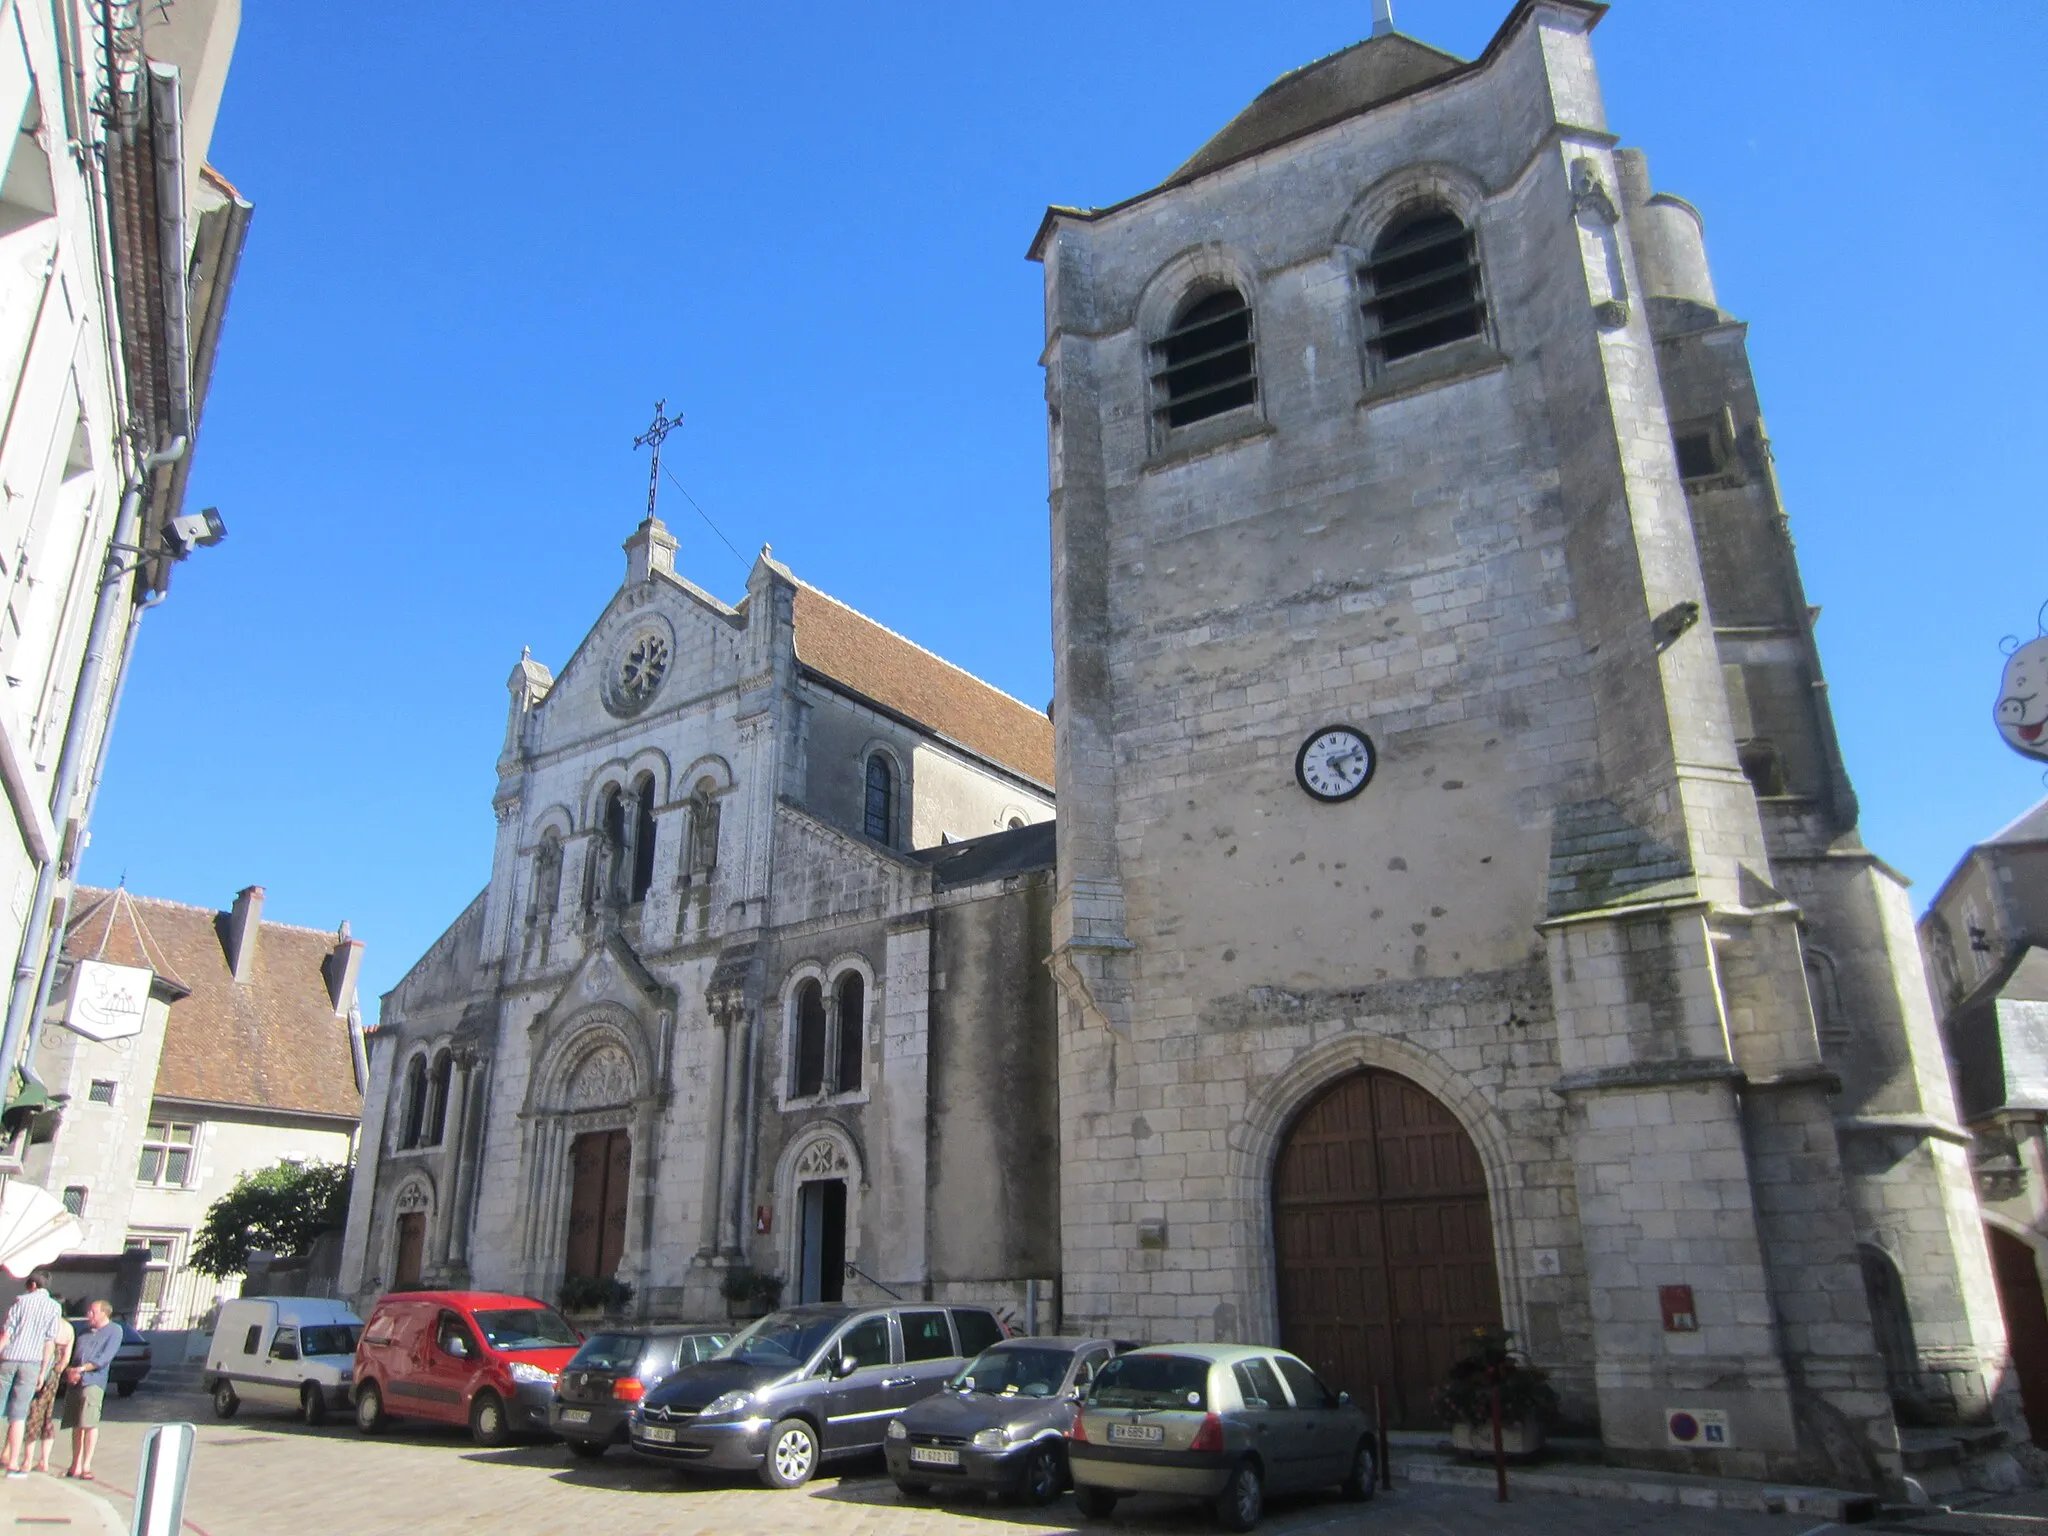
(792, 1455)
(913, 1490)
(224, 1400)
(126, 1388)
(487, 1419)
(370, 1409)
(589, 1450)
(1095, 1503)
(1364, 1477)
(1242, 1500)
(312, 1404)
(1045, 1474)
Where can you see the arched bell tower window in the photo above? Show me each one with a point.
(1422, 285)
(643, 838)
(1204, 364)
(879, 819)
(807, 1076)
(851, 997)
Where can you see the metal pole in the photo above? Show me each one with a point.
(1379, 1428)
(1500, 1460)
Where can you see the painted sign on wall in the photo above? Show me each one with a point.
(107, 1000)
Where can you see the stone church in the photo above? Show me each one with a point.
(1458, 916)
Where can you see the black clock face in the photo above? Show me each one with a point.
(1335, 763)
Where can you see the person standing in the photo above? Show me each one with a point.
(24, 1344)
(87, 1376)
(41, 1437)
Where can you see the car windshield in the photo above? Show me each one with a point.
(610, 1352)
(330, 1339)
(517, 1328)
(1151, 1381)
(781, 1338)
(1015, 1372)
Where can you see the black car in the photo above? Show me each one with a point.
(130, 1363)
(613, 1372)
(1000, 1425)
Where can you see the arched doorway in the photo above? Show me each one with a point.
(2026, 1323)
(1383, 1240)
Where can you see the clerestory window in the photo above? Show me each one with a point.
(1204, 365)
(880, 809)
(1422, 285)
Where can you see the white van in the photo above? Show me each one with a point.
(283, 1352)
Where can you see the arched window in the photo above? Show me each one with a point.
(852, 1001)
(643, 838)
(607, 874)
(1203, 365)
(414, 1119)
(807, 1075)
(436, 1122)
(1422, 285)
(880, 819)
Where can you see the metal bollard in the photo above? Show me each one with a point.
(1500, 1459)
(1379, 1429)
(160, 1482)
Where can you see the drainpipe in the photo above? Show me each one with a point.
(113, 596)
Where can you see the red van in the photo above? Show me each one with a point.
(461, 1357)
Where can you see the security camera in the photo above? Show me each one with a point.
(195, 530)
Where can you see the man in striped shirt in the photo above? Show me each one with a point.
(22, 1338)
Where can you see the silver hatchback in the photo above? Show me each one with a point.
(1223, 1422)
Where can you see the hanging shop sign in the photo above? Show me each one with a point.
(2022, 709)
(107, 1001)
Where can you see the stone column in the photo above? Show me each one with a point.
(717, 1135)
(732, 1133)
(449, 1174)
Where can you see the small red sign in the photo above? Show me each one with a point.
(1676, 1302)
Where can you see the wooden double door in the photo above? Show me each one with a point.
(1383, 1239)
(601, 1170)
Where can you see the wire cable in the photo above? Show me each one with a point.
(672, 480)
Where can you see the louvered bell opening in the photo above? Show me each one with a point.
(1424, 282)
(1205, 361)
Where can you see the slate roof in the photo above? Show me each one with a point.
(852, 650)
(2031, 827)
(1015, 851)
(273, 1043)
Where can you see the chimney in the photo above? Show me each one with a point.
(342, 967)
(244, 923)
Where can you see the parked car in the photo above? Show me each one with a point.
(1224, 1422)
(613, 1372)
(1001, 1424)
(801, 1385)
(131, 1362)
(294, 1352)
(461, 1357)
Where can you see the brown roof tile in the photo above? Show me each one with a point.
(851, 649)
(273, 1043)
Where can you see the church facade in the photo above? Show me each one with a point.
(1461, 919)
(754, 1003)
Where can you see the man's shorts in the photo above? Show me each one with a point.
(18, 1382)
(82, 1407)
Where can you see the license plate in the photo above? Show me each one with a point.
(655, 1434)
(1139, 1434)
(934, 1458)
(575, 1415)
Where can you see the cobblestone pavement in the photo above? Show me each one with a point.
(262, 1475)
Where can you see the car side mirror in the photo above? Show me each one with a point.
(1073, 1394)
(845, 1366)
(1343, 1399)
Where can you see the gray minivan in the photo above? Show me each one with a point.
(807, 1383)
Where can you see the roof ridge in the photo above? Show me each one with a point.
(193, 906)
(953, 666)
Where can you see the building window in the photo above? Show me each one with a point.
(438, 1079)
(162, 1251)
(881, 799)
(808, 1076)
(1422, 285)
(1697, 455)
(74, 1199)
(851, 997)
(101, 1091)
(643, 838)
(167, 1154)
(1204, 365)
(412, 1127)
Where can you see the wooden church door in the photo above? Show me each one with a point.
(601, 1166)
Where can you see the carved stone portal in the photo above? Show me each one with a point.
(413, 1197)
(604, 1078)
(821, 1159)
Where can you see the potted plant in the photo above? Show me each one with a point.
(749, 1293)
(592, 1294)
(1466, 1397)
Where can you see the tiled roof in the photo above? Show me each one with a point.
(272, 1043)
(853, 650)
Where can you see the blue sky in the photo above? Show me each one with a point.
(483, 247)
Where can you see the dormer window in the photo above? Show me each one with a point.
(1204, 364)
(1422, 285)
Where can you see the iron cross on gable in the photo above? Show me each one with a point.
(656, 433)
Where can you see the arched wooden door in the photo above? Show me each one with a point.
(1383, 1240)
(2026, 1323)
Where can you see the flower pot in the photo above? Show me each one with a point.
(1516, 1439)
